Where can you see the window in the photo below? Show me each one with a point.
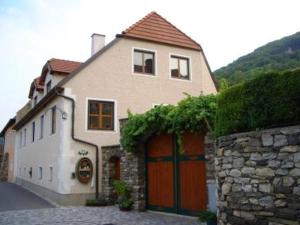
(50, 173)
(21, 141)
(30, 172)
(100, 115)
(25, 134)
(48, 86)
(35, 100)
(42, 126)
(40, 173)
(144, 62)
(53, 120)
(33, 131)
(180, 67)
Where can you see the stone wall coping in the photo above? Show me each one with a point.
(277, 130)
(110, 146)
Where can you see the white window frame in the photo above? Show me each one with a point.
(155, 62)
(190, 67)
(116, 125)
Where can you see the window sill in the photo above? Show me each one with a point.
(145, 74)
(179, 79)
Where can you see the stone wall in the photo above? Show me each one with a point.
(258, 177)
(109, 152)
(4, 167)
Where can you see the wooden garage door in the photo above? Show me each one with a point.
(160, 173)
(176, 181)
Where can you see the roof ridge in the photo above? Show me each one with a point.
(63, 60)
(177, 29)
(153, 20)
(138, 22)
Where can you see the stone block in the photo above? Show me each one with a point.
(267, 139)
(281, 172)
(296, 190)
(274, 163)
(266, 188)
(235, 173)
(280, 140)
(226, 189)
(295, 172)
(266, 202)
(255, 156)
(290, 149)
(238, 163)
(288, 181)
(264, 172)
(248, 170)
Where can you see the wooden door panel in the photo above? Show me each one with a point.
(160, 184)
(193, 144)
(160, 146)
(192, 186)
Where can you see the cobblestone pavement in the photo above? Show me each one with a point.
(109, 215)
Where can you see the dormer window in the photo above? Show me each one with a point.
(144, 62)
(48, 86)
(35, 100)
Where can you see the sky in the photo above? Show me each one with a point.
(33, 31)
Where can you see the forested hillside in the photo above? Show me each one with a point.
(280, 55)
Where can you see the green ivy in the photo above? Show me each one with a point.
(194, 114)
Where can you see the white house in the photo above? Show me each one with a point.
(152, 62)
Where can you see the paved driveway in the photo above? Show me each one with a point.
(109, 215)
(14, 197)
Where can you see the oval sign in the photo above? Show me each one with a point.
(84, 170)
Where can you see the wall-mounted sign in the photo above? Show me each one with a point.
(83, 152)
(84, 170)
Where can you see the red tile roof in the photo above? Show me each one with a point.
(35, 85)
(154, 27)
(62, 66)
(58, 66)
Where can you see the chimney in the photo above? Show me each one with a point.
(98, 42)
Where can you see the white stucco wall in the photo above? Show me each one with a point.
(53, 150)
(109, 77)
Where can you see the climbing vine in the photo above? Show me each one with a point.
(194, 114)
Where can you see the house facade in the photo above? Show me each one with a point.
(76, 114)
(7, 165)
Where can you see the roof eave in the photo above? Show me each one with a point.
(158, 42)
(39, 106)
(7, 126)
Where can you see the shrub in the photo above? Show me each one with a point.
(124, 195)
(96, 202)
(195, 114)
(205, 216)
(269, 100)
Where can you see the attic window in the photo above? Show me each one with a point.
(180, 67)
(144, 62)
(48, 86)
(35, 100)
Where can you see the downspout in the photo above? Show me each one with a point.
(82, 141)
